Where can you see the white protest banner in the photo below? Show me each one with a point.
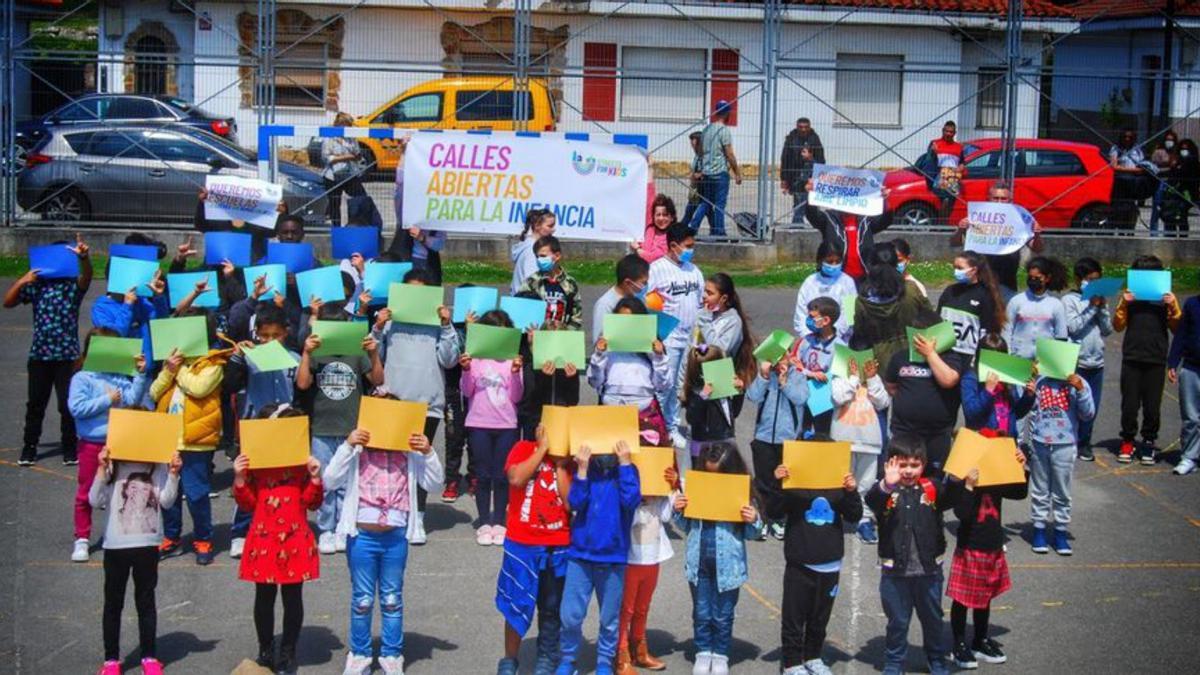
(996, 228)
(856, 191)
(486, 184)
(248, 199)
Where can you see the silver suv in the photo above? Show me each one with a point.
(144, 173)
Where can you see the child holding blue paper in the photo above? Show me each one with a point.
(814, 355)
(1144, 350)
(626, 378)
(492, 389)
(130, 314)
(552, 283)
(55, 346)
(1058, 409)
(91, 396)
(1089, 321)
(415, 360)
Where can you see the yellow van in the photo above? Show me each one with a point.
(463, 103)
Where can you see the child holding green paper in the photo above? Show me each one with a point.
(1037, 313)
(90, 398)
(710, 420)
(992, 407)
(492, 389)
(627, 378)
(780, 392)
(545, 383)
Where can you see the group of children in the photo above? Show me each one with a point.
(573, 527)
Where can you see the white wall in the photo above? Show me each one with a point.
(133, 14)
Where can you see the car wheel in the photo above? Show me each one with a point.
(1092, 217)
(20, 156)
(916, 215)
(65, 204)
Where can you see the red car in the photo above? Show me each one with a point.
(1062, 183)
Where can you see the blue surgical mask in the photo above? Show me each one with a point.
(901, 266)
(545, 263)
(686, 255)
(962, 276)
(1083, 284)
(640, 293)
(811, 324)
(831, 271)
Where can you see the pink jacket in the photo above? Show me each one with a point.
(654, 244)
(493, 391)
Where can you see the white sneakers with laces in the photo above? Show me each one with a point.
(327, 543)
(80, 552)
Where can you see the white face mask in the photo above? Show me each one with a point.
(1168, 144)
(1185, 153)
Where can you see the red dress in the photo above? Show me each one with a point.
(280, 547)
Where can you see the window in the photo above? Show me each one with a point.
(986, 165)
(1043, 163)
(419, 108)
(301, 83)
(175, 148)
(133, 108)
(489, 106)
(989, 106)
(125, 145)
(86, 110)
(150, 68)
(662, 99)
(80, 143)
(868, 90)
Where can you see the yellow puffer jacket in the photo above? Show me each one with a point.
(200, 382)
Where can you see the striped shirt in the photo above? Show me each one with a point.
(682, 288)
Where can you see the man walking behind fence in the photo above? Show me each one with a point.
(716, 163)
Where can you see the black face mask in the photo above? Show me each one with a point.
(1037, 286)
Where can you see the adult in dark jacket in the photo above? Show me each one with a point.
(801, 149)
(851, 234)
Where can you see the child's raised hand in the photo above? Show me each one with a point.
(173, 361)
(581, 458)
(313, 466)
(105, 462)
(972, 478)
(240, 465)
(849, 484)
(315, 304)
(602, 345)
(924, 346)
(139, 362)
(548, 368)
(364, 301)
(370, 345)
(130, 296)
(186, 249)
(312, 343)
(382, 317)
(1168, 299)
(517, 363)
(80, 248)
(992, 381)
(870, 368)
(444, 315)
(420, 443)
(671, 475)
(764, 370)
(260, 287)
(359, 437)
(570, 370)
(29, 277)
(471, 317)
(624, 453)
(228, 268)
(1075, 381)
(464, 361)
(707, 390)
(749, 514)
(176, 464)
(658, 347)
(680, 502)
(782, 472)
(891, 471)
(1031, 385)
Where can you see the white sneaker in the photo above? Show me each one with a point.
(498, 534)
(236, 546)
(720, 664)
(703, 664)
(419, 537)
(1184, 467)
(796, 670)
(339, 542)
(357, 665)
(327, 543)
(483, 536)
(817, 667)
(392, 665)
(80, 553)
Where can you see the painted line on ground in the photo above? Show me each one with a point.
(37, 469)
(1164, 503)
(775, 611)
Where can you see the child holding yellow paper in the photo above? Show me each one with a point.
(715, 564)
(626, 378)
(134, 494)
(281, 550)
(858, 400)
(979, 570)
(780, 392)
(709, 420)
(1059, 408)
(492, 389)
(89, 399)
(379, 521)
(813, 549)
(192, 388)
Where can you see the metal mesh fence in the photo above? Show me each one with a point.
(114, 112)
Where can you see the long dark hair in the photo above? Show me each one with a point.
(1055, 271)
(668, 204)
(87, 342)
(883, 280)
(728, 460)
(985, 277)
(743, 361)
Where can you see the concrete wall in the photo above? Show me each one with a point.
(787, 246)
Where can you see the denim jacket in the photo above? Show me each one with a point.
(732, 568)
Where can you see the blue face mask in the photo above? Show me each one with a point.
(640, 293)
(901, 266)
(686, 255)
(962, 276)
(831, 271)
(812, 326)
(545, 263)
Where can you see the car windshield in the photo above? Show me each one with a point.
(970, 149)
(221, 144)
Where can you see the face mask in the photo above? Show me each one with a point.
(1169, 144)
(901, 266)
(812, 326)
(831, 271)
(545, 263)
(962, 276)
(686, 255)
(1083, 284)
(1037, 286)
(1185, 153)
(640, 293)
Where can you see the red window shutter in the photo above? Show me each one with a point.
(725, 80)
(599, 82)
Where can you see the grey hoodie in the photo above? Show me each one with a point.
(524, 262)
(1087, 325)
(415, 358)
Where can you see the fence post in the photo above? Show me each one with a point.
(8, 132)
(1008, 164)
(265, 74)
(521, 35)
(766, 131)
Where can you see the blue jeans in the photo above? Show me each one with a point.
(323, 448)
(195, 480)
(489, 448)
(714, 192)
(1095, 379)
(900, 596)
(1156, 203)
(1189, 413)
(712, 613)
(669, 400)
(583, 577)
(1050, 470)
(377, 561)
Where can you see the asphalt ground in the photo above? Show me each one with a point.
(1127, 601)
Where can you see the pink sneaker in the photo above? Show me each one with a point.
(498, 534)
(110, 668)
(152, 666)
(483, 536)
